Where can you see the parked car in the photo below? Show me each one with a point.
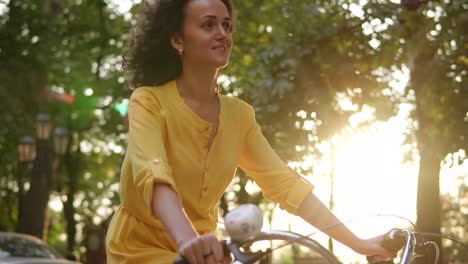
(25, 249)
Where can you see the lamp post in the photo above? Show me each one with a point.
(26, 154)
(43, 126)
(33, 206)
(26, 149)
(60, 140)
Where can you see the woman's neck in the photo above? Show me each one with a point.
(198, 85)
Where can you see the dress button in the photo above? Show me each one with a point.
(205, 189)
(155, 161)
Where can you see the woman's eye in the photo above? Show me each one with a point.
(208, 25)
(227, 26)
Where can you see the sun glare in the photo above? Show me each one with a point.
(370, 179)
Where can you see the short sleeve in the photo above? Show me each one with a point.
(146, 147)
(277, 180)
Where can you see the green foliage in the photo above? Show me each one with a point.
(430, 42)
(297, 56)
(72, 47)
(455, 221)
(56, 234)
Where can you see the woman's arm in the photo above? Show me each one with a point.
(317, 214)
(168, 209)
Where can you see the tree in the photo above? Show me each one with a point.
(428, 39)
(65, 47)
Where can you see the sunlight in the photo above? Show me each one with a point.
(373, 184)
(123, 6)
(56, 203)
(4, 7)
(369, 175)
(370, 179)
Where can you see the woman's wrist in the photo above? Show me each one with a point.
(354, 242)
(372, 246)
(183, 241)
(358, 245)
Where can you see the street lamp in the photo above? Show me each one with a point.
(26, 149)
(27, 145)
(26, 154)
(46, 155)
(60, 140)
(43, 126)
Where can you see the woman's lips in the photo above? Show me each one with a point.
(220, 48)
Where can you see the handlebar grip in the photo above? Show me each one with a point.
(181, 260)
(392, 241)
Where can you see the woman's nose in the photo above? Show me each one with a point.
(222, 32)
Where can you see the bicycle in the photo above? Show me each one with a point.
(241, 244)
(243, 254)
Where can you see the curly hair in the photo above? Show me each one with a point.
(150, 58)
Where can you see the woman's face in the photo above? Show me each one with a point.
(206, 37)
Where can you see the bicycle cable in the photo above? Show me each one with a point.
(443, 236)
(337, 224)
(437, 250)
(354, 220)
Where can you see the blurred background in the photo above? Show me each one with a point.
(367, 99)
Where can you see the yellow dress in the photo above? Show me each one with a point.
(167, 143)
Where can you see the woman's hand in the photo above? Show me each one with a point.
(369, 247)
(205, 249)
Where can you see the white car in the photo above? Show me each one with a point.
(25, 249)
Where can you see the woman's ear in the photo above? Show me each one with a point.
(177, 42)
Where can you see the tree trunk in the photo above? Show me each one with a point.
(34, 212)
(72, 164)
(428, 196)
(69, 211)
(422, 65)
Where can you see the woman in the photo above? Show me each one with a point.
(186, 141)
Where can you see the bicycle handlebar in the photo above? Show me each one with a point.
(244, 223)
(394, 240)
(237, 249)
